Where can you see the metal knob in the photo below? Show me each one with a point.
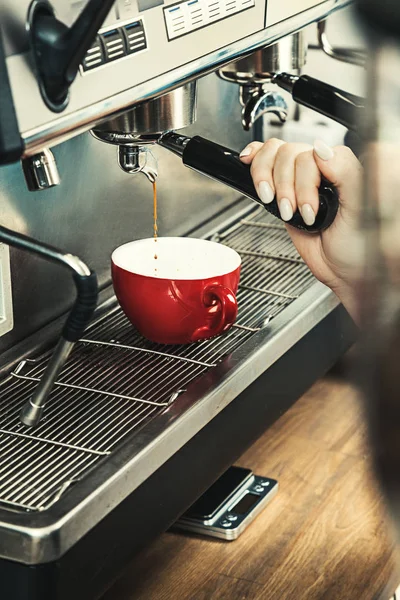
(40, 171)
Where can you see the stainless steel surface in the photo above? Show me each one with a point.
(257, 102)
(40, 171)
(76, 265)
(32, 411)
(351, 56)
(147, 80)
(118, 386)
(278, 10)
(138, 159)
(134, 130)
(258, 69)
(146, 122)
(6, 305)
(289, 54)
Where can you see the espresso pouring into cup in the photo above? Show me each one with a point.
(190, 297)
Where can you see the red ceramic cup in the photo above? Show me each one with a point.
(185, 295)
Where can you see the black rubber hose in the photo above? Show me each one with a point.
(85, 280)
(84, 307)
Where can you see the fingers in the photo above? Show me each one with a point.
(340, 166)
(284, 174)
(273, 171)
(307, 182)
(292, 173)
(262, 164)
(249, 152)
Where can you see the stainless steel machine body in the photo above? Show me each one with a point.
(137, 129)
(124, 412)
(176, 43)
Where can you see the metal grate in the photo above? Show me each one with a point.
(116, 381)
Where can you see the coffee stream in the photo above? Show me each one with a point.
(155, 210)
(155, 226)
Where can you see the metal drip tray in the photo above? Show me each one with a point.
(119, 388)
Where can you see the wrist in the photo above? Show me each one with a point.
(347, 295)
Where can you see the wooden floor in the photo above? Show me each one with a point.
(323, 536)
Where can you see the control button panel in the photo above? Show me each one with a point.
(135, 37)
(185, 17)
(114, 44)
(94, 56)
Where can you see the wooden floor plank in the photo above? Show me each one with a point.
(222, 586)
(323, 537)
(324, 553)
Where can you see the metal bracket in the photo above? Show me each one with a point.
(352, 56)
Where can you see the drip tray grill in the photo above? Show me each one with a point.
(115, 381)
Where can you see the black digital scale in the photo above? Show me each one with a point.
(229, 505)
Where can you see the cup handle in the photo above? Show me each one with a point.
(228, 309)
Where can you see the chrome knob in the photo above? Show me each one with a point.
(40, 171)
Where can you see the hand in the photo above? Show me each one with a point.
(292, 173)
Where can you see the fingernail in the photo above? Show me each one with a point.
(265, 192)
(323, 150)
(285, 208)
(308, 214)
(246, 151)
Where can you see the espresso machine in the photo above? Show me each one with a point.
(106, 438)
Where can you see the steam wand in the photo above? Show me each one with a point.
(78, 319)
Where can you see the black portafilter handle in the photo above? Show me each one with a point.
(224, 165)
(332, 102)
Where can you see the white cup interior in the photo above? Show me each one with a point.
(177, 258)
